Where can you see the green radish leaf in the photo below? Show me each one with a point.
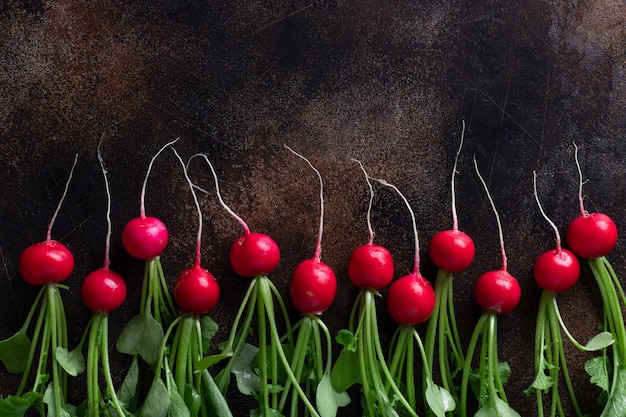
(13, 406)
(213, 398)
(268, 413)
(347, 339)
(127, 393)
(177, 407)
(600, 341)
(248, 381)
(439, 400)
(542, 382)
(482, 391)
(597, 370)
(157, 402)
(48, 399)
(208, 329)
(327, 399)
(142, 336)
(193, 400)
(72, 362)
(616, 404)
(497, 408)
(346, 371)
(14, 352)
(211, 360)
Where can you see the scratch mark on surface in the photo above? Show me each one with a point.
(4, 262)
(75, 228)
(492, 101)
(280, 19)
(506, 94)
(204, 132)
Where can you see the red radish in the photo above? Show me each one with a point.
(370, 266)
(410, 300)
(313, 284)
(498, 291)
(46, 262)
(103, 290)
(145, 237)
(590, 235)
(195, 290)
(254, 254)
(50, 260)
(452, 250)
(556, 270)
(313, 287)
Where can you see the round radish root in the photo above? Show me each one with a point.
(254, 254)
(196, 291)
(556, 270)
(411, 300)
(451, 250)
(144, 237)
(370, 266)
(313, 287)
(45, 262)
(591, 236)
(103, 290)
(498, 291)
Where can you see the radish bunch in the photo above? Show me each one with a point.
(593, 236)
(362, 359)
(496, 292)
(312, 291)
(411, 301)
(555, 271)
(452, 251)
(254, 256)
(145, 238)
(46, 264)
(180, 385)
(103, 291)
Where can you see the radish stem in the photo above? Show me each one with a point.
(58, 208)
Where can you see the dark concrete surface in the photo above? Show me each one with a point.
(385, 82)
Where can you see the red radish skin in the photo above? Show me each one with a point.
(145, 237)
(196, 291)
(556, 270)
(452, 250)
(46, 262)
(254, 254)
(313, 287)
(591, 235)
(498, 291)
(103, 290)
(370, 266)
(411, 300)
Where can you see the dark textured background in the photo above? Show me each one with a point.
(385, 83)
